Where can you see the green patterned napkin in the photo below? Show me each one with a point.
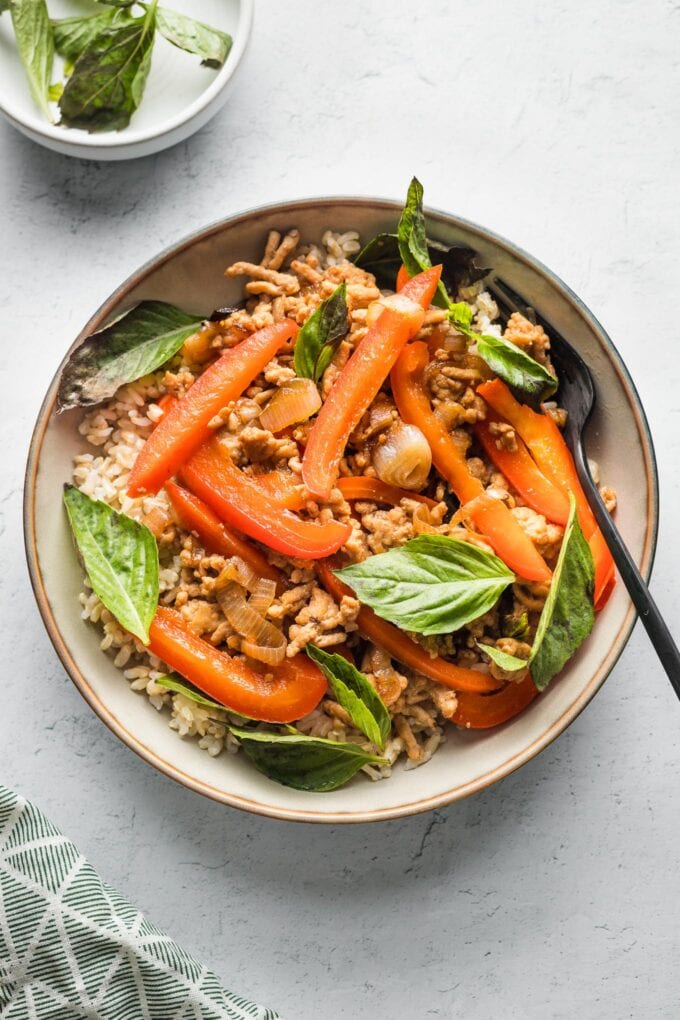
(70, 946)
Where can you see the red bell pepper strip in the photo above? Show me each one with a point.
(402, 278)
(366, 487)
(494, 520)
(553, 456)
(236, 500)
(184, 426)
(293, 689)
(481, 712)
(194, 515)
(282, 487)
(403, 648)
(361, 378)
(523, 474)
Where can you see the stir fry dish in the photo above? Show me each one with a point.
(331, 523)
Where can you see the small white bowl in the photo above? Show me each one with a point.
(180, 95)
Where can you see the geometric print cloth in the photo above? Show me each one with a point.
(72, 947)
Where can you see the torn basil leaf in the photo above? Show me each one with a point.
(516, 626)
(194, 37)
(305, 763)
(431, 585)
(321, 334)
(179, 686)
(380, 256)
(120, 558)
(568, 614)
(139, 342)
(109, 76)
(72, 36)
(355, 693)
(35, 43)
(505, 661)
(516, 367)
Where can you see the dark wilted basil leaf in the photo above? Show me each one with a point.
(318, 339)
(381, 257)
(355, 693)
(108, 79)
(138, 343)
(72, 36)
(120, 557)
(305, 763)
(194, 37)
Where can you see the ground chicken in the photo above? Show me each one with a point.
(323, 621)
(202, 617)
(545, 535)
(530, 337)
(387, 528)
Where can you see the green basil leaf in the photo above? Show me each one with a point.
(568, 615)
(72, 36)
(4, 5)
(356, 694)
(138, 343)
(510, 663)
(320, 336)
(194, 37)
(430, 585)
(413, 244)
(120, 557)
(381, 258)
(108, 79)
(305, 763)
(411, 231)
(35, 43)
(516, 367)
(178, 686)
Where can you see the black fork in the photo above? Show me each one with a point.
(577, 395)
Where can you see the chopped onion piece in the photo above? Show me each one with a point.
(293, 402)
(403, 457)
(264, 653)
(259, 634)
(236, 570)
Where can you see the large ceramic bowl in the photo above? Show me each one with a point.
(180, 95)
(191, 275)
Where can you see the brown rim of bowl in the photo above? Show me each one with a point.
(301, 815)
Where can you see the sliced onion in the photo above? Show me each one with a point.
(422, 521)
(263, 595)
(464, 512)
(403, 457)
(259, 633)
(264, 653)
(236, 570)
(293, 402)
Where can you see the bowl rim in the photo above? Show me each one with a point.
(120, 140)
(506, 767)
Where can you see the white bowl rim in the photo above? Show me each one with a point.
(36, 124)
(301, 815)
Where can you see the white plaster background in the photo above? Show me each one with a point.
(554, 894)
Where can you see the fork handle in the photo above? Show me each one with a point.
(652, 620)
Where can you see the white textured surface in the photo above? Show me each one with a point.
(555, 893)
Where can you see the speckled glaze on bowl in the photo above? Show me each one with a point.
(190, 274)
